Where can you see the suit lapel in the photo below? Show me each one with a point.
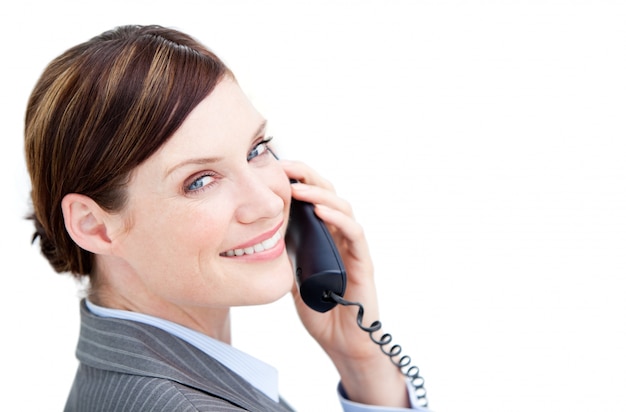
(135, 348)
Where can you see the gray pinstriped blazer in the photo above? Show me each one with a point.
(130, 366)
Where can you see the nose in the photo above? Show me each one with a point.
(258, 199)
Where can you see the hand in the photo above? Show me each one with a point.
(367, 375)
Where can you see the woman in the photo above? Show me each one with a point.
(152, 176)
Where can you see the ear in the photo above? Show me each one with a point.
(85, 221)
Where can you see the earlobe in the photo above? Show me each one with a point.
(85, 222)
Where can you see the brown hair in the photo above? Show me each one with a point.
(98, 111)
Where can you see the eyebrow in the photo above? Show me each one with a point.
(215, 159)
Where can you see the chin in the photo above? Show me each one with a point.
(277, 287)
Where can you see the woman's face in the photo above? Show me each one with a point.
(207, 213)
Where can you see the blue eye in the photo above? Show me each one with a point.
(260, 149)
(199, 183)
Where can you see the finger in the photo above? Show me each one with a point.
(320, 196)
(305, 174)
(349, 228)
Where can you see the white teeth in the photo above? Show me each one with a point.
(271, 242)
(259, 247)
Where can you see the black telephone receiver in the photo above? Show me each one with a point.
(318, 264)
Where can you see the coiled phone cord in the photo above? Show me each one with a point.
(412, 372)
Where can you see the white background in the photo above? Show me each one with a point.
(481, 144)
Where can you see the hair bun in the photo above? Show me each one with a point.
(48, 247)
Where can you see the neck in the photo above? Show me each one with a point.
(211, 321)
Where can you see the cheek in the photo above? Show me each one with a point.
(193, 228)
(174, 235)
(172, 250)
(282, 187)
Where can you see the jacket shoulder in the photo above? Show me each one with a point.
(106, 391)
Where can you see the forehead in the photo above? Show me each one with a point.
(224, 118)
(226, 112)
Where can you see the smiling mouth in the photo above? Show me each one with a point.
(259, 247)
